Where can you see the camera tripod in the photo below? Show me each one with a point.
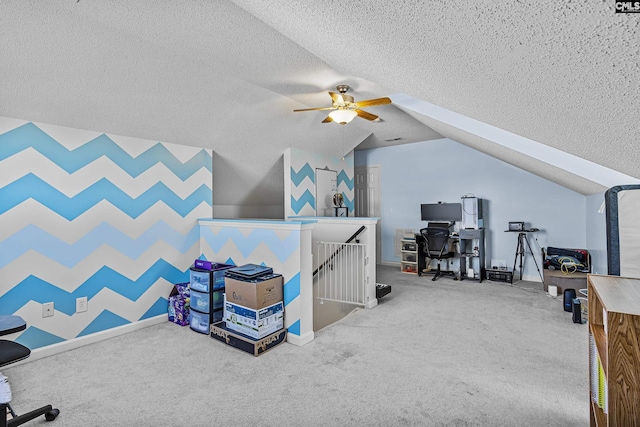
(522, 239)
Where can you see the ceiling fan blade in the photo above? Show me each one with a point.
(337, 98)
(372, 102)
(314, 109)
(327, 120)
(341, 98)
(365, 115)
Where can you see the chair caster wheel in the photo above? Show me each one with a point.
(434, 279)
(52, 414)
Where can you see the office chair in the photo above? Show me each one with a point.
(436, 237)
(11, 352)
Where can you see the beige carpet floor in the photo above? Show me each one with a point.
(441, 353)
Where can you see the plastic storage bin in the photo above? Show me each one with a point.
(200, 280)
(200, 301)
(218, 299)
(200, 322)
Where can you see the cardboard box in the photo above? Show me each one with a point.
(563, 281)
(254, 323)
(220, 332)
(255, 295)
(179, 300)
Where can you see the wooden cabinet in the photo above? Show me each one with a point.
(614, 346)
(409, 255)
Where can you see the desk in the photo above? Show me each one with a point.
(468, 246)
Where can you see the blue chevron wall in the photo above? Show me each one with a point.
(302, 169)
(108, 217)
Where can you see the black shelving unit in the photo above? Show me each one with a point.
(472, 254)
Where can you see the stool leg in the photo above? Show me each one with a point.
(21, 419)
(3, 416)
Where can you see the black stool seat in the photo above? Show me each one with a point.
(11, 324)
(11, 352)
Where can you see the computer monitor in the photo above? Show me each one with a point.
(441, 212)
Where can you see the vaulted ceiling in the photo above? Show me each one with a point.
(551, 87)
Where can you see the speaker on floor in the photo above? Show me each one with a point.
(576, 308)
(569, 295)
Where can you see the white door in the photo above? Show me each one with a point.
(368, 199)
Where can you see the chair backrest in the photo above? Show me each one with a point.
(437, 240)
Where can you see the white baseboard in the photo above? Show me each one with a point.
(54, 349)
(391, 263)
(300, 340)
(372, 303)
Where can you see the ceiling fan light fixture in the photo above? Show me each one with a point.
(342, 116)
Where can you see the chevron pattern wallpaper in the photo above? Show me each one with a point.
(273, 246)
(303, 184)
(108, 217)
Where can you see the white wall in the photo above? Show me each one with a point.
(444, 170)
(596, 232)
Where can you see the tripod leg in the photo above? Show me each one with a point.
(516, 257)
(519, 251)
(534, 258)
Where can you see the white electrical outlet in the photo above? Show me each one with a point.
(47, 309)
(81, 304)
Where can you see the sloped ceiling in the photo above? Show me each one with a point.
(227, 75)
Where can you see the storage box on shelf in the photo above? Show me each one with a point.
(409, 255)
(614, 350)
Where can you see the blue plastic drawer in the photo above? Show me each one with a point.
(200, 301)
(217, 315)
(218, 276)
(218, 299)
(199, 322)
(200, 280)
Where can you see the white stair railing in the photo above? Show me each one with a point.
(341, 276)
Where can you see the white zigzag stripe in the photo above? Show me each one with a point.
(69, 138)
(296, 192)
(32, 212)
(262, 253)
(68, 279)
(68, 327)
(29, 160)
(137, 146)
(283, 234)
(72, 138)
(343, 188)
(8, 124)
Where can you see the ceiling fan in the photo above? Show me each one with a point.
(345, 108)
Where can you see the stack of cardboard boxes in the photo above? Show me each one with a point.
(253, 315)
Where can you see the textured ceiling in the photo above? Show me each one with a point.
(227, 75)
